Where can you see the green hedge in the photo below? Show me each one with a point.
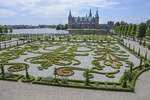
(17, 77)
(133, 82)
(115, 72)
(110, 76)
(83, 86)
(24, 79)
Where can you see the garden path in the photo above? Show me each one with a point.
(25, 91)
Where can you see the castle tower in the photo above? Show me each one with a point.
(70, 20)
(90, 14)
(97, 19)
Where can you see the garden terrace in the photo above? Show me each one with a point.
(82, 61)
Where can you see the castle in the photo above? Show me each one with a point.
(87, 22)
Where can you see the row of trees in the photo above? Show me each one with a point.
(142, 30)
(6, 30)
(62, 27)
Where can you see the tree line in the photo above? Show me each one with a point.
(141, 30)
(62, 27)
(6, 30)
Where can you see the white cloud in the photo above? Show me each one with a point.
(103, 4)
(4, 13)
(15, 3)
(52, 8)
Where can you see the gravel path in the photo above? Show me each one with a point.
(11, 43)
(135, 44)
(25, 91)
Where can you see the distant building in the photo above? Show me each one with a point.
(87, 22)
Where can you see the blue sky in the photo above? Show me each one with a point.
(34, 12)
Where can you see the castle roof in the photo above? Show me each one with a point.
(86, 19)
(82, 19)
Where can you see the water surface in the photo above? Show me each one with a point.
(39, 31)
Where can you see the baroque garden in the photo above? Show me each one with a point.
(100, 62)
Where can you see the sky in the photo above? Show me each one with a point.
(48, 12)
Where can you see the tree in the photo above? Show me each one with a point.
(133, 31)
(141, 61)
(124, 82)
(140, 42)
(130, 75)
(87, 77)
(1, 30)
(131, 67)
(55, 73)
(126, 30)
(129, 29)
(111, 23)
(141, 30)
(123, 23)
(118, 30)
(61, 27)
(66, 26)
(144, 43)
(53, 38)
(5, 30)
(122, 30)
(68, 39)
(60, 38)
(10, 30)
(129, 46)
(27, 74)
(148, 22)
(139, 52)
(58, 27)
(148, 30)
(145, 55)
(117, 24)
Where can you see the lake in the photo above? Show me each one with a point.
(39, 31)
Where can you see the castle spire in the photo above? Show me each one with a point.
(97, 13)
(90, 15)
(70, 13)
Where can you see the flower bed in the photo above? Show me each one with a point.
(64, 72)
(113, 64)
(17, 68)
(101, 49)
